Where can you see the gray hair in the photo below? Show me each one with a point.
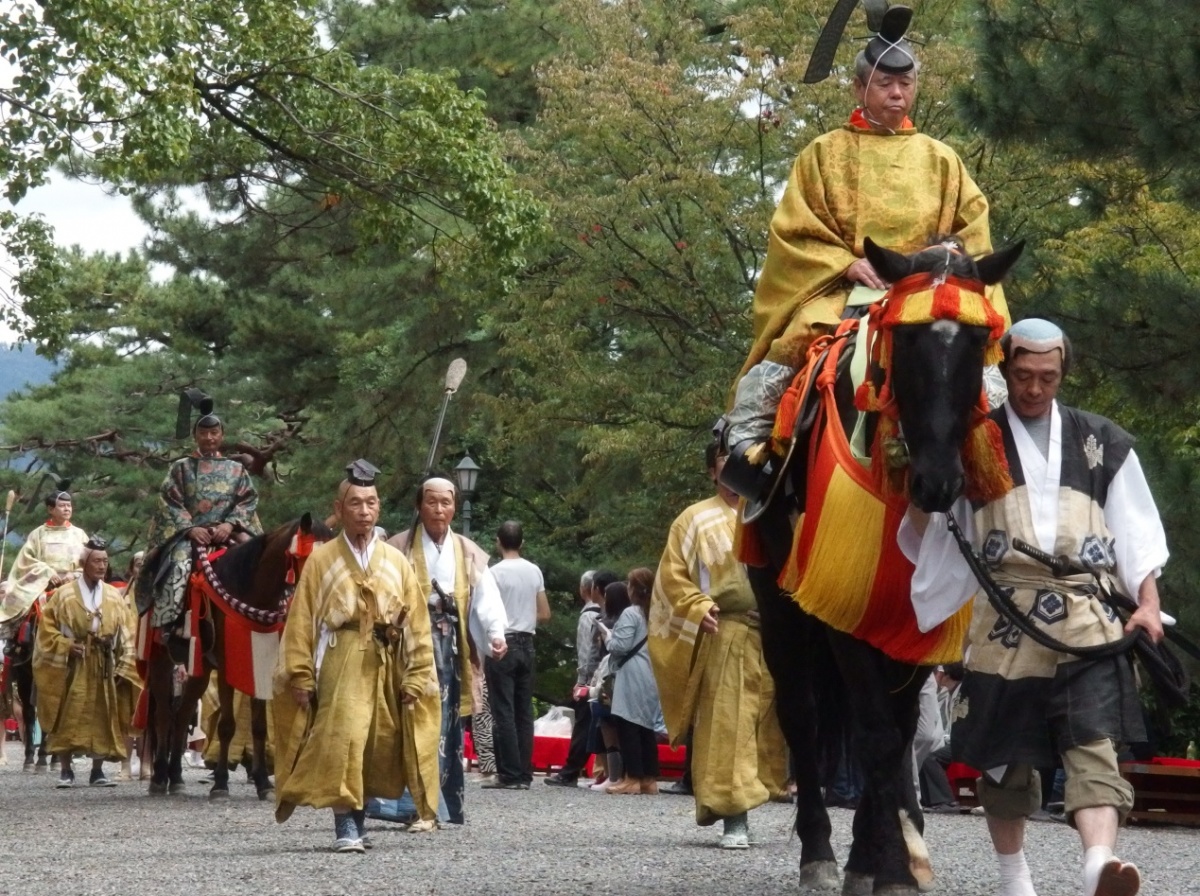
(863, 70)
(585, 580)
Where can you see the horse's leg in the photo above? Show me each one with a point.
(906, 709)
(879, 850)
(22, 678)
(784, 639)
(181, 715)
(226, 725)
(161, 682)
(258, 729)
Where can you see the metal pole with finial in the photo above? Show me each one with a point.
(8, 505)
(454, 377)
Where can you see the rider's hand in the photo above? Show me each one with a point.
(709, 622)
(862, 271)
(200, 535)
(302, 697)
(55, 581)
(221, 533)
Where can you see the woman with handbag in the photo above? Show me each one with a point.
(636, 711)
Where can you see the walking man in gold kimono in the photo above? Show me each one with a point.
(875, 176)
(355, 659)
(706, 650)
(83, 665)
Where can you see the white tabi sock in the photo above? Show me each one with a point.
(1015, 879)
(1093, 862)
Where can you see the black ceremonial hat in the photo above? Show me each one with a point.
(361, 472)
(59, 493)
(96, 543)
(888, 51)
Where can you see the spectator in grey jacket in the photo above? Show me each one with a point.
(589, 649)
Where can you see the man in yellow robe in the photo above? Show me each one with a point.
(49, 558)
(875, 176)
(706, 649)
(84, 669)
(355, 662)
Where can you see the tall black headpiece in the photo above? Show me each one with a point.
(95, 543)
(361, 472)
(887, 50)
(194, 398)
(59, 493)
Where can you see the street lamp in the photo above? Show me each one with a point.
(466, 474)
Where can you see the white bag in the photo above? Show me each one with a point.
(558, 722)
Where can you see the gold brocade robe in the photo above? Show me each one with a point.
(47, 552)
(85, 704)
(356, 740)
(717, 685)
(899, 189)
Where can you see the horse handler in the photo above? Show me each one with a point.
(355, 662)
(1079, 491)
(83, 666)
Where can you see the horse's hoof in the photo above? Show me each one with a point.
(176, 787)
(858, 884)
(157, 789)
(218, 793)
(922, 872)
(820, 875)
(268, 794)
(896, 890)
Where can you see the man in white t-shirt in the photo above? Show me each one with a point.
(510, 678)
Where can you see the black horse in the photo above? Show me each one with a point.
(831, 685)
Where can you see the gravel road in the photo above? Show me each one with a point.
(548, 840)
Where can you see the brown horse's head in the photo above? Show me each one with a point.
(936, 330)
(260, 570)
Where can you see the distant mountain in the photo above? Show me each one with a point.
(21, 366)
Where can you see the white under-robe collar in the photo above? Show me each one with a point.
(1042, 475)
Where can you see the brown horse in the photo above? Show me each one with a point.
(18, 675)
(256, 578)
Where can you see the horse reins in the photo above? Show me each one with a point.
(255, 614)
(1007, 608)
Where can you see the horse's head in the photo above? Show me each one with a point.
(939, 330)
(262, 569)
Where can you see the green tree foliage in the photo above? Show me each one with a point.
(245, 99)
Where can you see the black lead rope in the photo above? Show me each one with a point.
(1007, 608)
(1166, 673)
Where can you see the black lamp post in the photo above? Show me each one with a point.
(466, 474)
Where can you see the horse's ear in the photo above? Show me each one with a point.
(993, 268)
(891, 266)
(306, 523)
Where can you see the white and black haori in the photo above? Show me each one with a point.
(1078, 490)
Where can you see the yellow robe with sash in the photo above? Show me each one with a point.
(717, 685)
(85, 704)
(49, 551)
(898, 189)
(357, 739)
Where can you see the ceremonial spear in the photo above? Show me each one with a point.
(454, 377)
(8, 503)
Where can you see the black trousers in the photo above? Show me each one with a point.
(639, 749)
(510, 696)
(577, 755)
